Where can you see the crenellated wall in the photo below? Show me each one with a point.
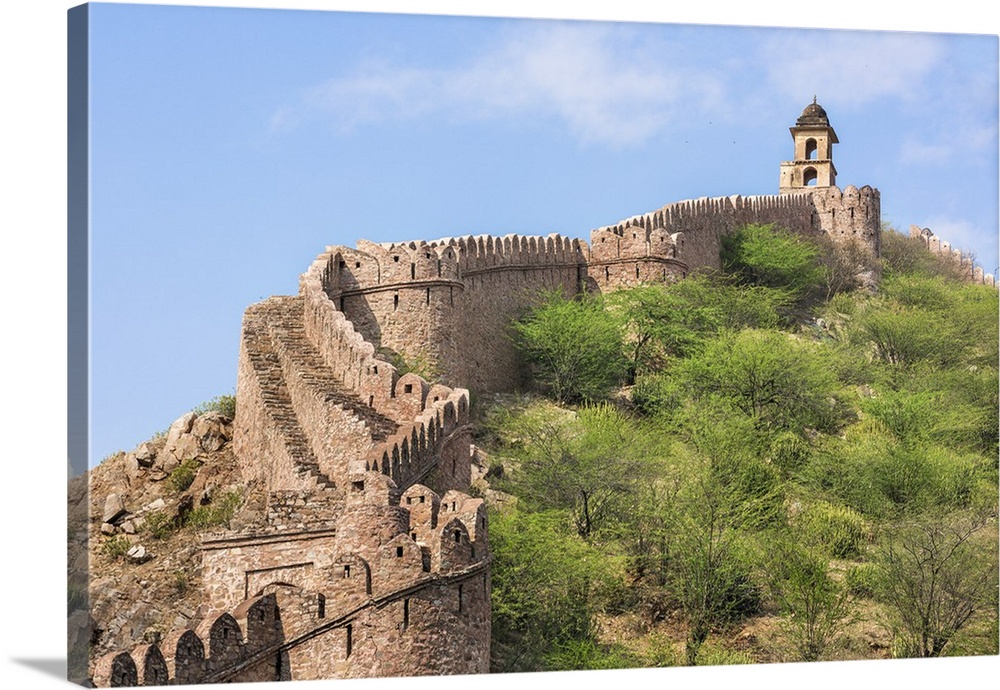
(441, 304)
(964, 260)
(503, 276)
(448, 304)
(388, 590)
(372, 561)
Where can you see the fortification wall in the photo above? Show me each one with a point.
(966, 261)
(502, 277)
(399, 294)
(622, 257)
(447, 304)
(386, 591)
(854, 215)
(261, 443)
(316, 406)
(700, 224)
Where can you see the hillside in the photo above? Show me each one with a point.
(736, 467)
(145, 511)
(768, 463)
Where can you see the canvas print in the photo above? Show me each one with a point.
(427, 345)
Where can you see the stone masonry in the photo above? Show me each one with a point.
(372, 560)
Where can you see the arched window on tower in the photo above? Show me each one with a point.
(809, 176)
(812, 150)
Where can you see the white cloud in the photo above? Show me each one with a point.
(962, 139)
(605, 84)
(962, 234)
(852, 68)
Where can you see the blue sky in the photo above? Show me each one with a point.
(230, 146)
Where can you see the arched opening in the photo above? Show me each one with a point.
(812, 149)
(809, 177)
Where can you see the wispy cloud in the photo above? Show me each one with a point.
(964, 235)
(852, 68)
(607, 85)
(961, 139)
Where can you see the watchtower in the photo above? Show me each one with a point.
(813, 164)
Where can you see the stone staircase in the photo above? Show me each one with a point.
(277, 345)
(278, 402)
(286, 319)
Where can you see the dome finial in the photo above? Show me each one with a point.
(814, 99)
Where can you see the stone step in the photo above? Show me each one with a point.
(285, 316)
(277, 401)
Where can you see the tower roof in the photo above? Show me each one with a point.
(813, 115)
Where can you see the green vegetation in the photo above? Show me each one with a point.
(787, 446)
(218, 513)
(183, 475)
(159, 525)
(574, 347)
(816, 607)
(938, 573)
(772, 257)
(116, 547)
(180, 581)
(223, 404)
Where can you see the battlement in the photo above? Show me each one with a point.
(698, 225)
(366, 465)
(281, 591)
(484, 253)
(966, 261)
(199, 655)
(353, 410)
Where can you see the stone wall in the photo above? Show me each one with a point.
(502, 277)
(964, 260)
(386, 590)
(372, 560)
(448, 304)
(442, 305)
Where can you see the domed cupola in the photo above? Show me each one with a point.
(813, 114)
(813, 164)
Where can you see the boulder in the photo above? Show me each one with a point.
(157, 505)
(180, 444)
(145, 455)
(138, 554)
(212, 430)
(114, 508)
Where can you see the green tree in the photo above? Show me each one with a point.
(543, 579)
(904, 254)
(573, 346)
(730, 304)
(843, 265)
(873, 472)
(777, 381)
(816, 607)
(588, 463)
(938, 573)
(709, 573)
(904, 336)
(659, 322)
(772, 257)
